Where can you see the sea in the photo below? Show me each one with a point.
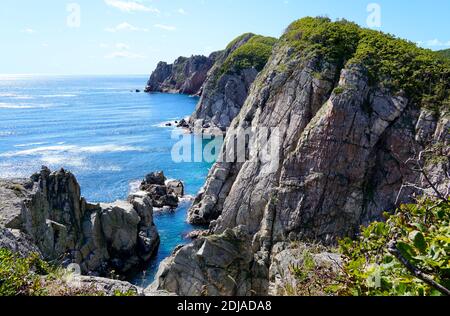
(104, 132)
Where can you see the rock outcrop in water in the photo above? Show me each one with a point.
(49, 209)
(348, 118)
(185, 75)
(163, 193)
(227, 85)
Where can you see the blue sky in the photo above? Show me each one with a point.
(131, 36)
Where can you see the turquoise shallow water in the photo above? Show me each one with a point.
(107, 135)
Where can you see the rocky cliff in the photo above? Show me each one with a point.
(185, 75)
(349, 107)
(227, 85)
(49, 210)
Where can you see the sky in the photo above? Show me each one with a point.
(130, 36)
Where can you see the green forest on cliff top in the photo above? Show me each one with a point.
(444, 53)
(253, 54)
(394, 63)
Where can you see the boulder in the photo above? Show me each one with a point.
(102, 286)
(12, 194)
(18, 243)
(176, 188)
(153, 178)
(196, 234)
(218, 265)
(162, 194)
(183, 124)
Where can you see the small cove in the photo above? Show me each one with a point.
(104, 132)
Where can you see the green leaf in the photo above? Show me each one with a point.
(420, 227)
(419, 240)
(406, 250)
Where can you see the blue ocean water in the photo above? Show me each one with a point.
(108, 135)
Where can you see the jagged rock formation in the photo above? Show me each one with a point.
(185, 75)
(215, 266)
(227, 85)
(163, 193)
(48, 209)
(347, 118)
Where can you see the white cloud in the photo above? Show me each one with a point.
(29, 31)
(182, 11)
(124, 54)
(125, 26)
(122, 46)
(130, 6)
(434, 43)
(165, 27)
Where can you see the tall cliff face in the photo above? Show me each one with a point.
(350, 107)
(228, 83)
(185, 75)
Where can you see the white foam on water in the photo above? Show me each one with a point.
(37, 151)
(107, 148)
(15, 96)
(24, 106)
(59, 149)
(133, 186)
(7, 133)
(67, 161)
(28, 145)
(111, 168)
(59, 95)
(187, 199)
(165, 124)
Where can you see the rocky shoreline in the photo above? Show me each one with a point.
(46, 215)
(100, 238)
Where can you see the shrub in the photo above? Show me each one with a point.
(444, 53)
(21, 276)
(34, 277)
(396, 64)
(382, 260)
(253, 54)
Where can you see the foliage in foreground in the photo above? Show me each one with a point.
(34, 277)
(418, 234)
(21, 276)
(312, 277)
